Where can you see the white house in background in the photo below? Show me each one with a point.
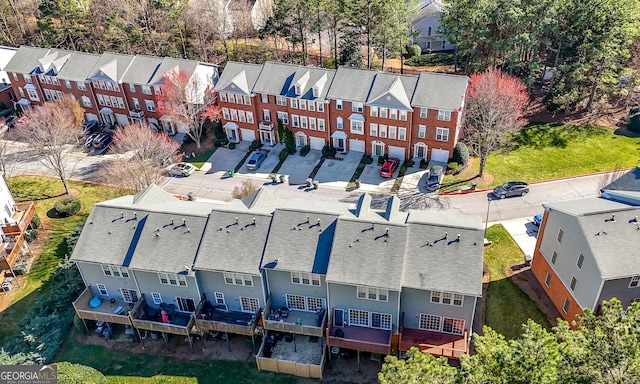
(427, 22)
(260, 12)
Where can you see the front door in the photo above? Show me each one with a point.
(129, 295)
(338, 143)
(232, 135)
(265, 137)
(108, 119)
(301, 141)
(421, 151)
(186, 304)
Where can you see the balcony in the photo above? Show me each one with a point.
(20, 219)
(210, 317)
(146, 317)
(360, 339)
(10, 252)
(136, 114)
(112, 312)
(294, 321)
(435, 343)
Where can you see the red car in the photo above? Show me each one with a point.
(389, 167)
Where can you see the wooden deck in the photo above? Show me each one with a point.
(105, 312)
(22, 217)
(300, 322)
(240, 323)
(361, 339)
(435, 343)
(10, 251)
(180, 324)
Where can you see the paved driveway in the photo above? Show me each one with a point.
(524, 232)
(337, 173)
(224, 159)
(267, 165)
(298, 167)
(371, 181)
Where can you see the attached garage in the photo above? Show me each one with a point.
(122, 119)
(247, 134)
(316, 142)
(439, 155)
(91, 117)
(398, 152)
(356, 145)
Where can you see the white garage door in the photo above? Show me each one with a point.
(396, 152)
(91, 116)
(316, 142)
(247, 134)
(122, 119)
(439, 155)
(356, 145)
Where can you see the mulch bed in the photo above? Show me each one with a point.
(522, 276)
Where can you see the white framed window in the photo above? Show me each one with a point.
(21, 91)
(580, 261)
(15, 76)
(116, 87)
(296, 89)
(296, 302)
(219, 298)
(339, 105)
(225, 113)
(451, 325)
(108, 85)
(284, 117)
(249, 304)
(304, 122)
(136, 103)
(264, 98)
(234, 114)
(27, 79)
(565, 305)
(358, 317)
(172, 279)
(47, 94)
(383, 131)
(102, 289)
(422, 131)
(33, 95)
(266, 115)
(402, 134)
(132, 88)
(560, 235)
(447, 298)
(312, 123)
(370, 293)
(373, 129)
(547, 279)
(67, 83)
(357, 126)
(635, 282)
(81, 86)
(295, 120)
(320, 106)
(150, 105)
(305, 278)
(242, 117)
(403, 115)
(429, 31)
(573, 283)
(156, 297)
(357, 106)
(281, 100)
(315, 304)
(294, 103)
(383, 113)
(238, 279)
(238, 98)
(303, 104)
(100, 99)
(321, 125)
(186, 304)
(373, 111)
(145, 89)
(380, 320)
(424, 112)
(430, 322)
(129, 295)
(442, 134)
(246, 99)
(249, 117)
(444, 115)
(311, 105)
(554, 257)
(223, 96)
(392, 132)
(115, 271)
(86, 102)
(393, 114)
(339, 123)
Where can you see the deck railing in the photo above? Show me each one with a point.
(22, 216)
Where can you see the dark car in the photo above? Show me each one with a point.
(537, 219)
(90, 126)
(256, 159)
(89, 139)
(512, 188)
(435, 178)
(389, 167)
(10, 121)
(103, 140)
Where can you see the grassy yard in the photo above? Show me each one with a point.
(202, 158)
(548, 151)
(506, 306)
(46, 191)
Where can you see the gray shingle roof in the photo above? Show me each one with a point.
(275, 79)
(26, 59)
(168, 64)
(440, 91)
(351, 84)
(242, 76)
(78, 67)
(227, 246)
(614, 243)
(434, 262)
(630, 181)
(111, 66)
(310, 77)
(392, 91)
(300, 240)
(142, 70)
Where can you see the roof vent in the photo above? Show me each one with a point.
(122, 215)
(634, 220)
(184, 222)
(236, 220)
(308, 220)
(135, 215)
(445, 235)
(172, 221)
(254, 221)
(188, 230)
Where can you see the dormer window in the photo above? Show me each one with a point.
(297, 89)
(316, 91)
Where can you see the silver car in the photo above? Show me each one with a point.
(256, 159)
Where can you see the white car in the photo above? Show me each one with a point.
(181, 169)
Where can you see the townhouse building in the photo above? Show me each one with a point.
(345, 276)
(409, 117)
(114, 89)
(586, 252)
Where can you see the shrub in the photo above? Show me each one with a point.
(220, 142)
(329, 151)
(69, 373)
(304, 150)
(413, 50)
(218, 132)
(291, 149)
(255, 144)
(231, 146)
(634, 123)
(283, 154)
(424, 163)
(403, 170)
(30, 235)
(35, 221)
(452, 166)
(245, 189)
(366, 159)
(382, 159)
(431, 59)
(409, 163)
(68, 206)
(461, 154)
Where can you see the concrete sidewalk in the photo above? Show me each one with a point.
(524, 232)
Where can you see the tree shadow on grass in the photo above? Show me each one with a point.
(543, 135)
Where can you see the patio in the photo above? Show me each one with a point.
(360, 339)
(293, 354)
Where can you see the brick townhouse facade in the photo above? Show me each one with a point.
(114, 89)
(418, 117)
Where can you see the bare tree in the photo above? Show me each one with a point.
(495, 107)
(245, 189)
(187, 99)
(143, 155)
(51, 131)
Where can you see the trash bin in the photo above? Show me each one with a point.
(274, 177)
(473, 185)
(357, 183)
(191, 196)
(282, 178)
(309, 182)
(316, 184)
(232, 172)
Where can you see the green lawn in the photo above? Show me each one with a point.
(506, 306)
(202, 158)
(46, 191)
(548, 151)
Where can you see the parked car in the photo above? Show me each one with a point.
(102, 140)
(537, 219)
(89, 139)
(181, 169)
(90, 126)
(389, 167)
(435, 178)
(257, 157)
(512, 188)
(10, 121)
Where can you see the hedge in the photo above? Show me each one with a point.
(68, 206)
(69, 373)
